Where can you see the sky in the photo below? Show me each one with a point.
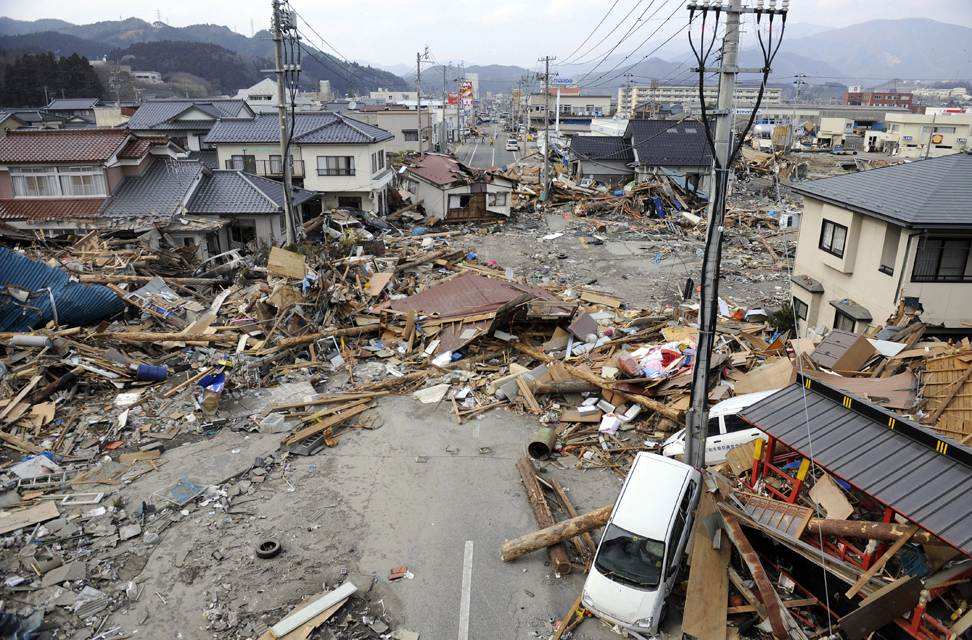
(387, 33)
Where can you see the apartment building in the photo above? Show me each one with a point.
(629, 98)
(879, 98)
(923, 135)
(574, 113)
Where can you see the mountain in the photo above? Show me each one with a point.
(493, 78)
(908, 48)
(60, 44)
(225, 70)
(253, 51)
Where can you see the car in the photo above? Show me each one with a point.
(220, 264)
(341, 224)
(512, 144)
(643, 544)
(726, 429)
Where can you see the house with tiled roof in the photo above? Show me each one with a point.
(339, 157)
(875, 239)
(71, 181)
(450, 191)
(186, 122)
(68, 174)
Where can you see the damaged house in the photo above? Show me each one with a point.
(452, 192)
(72, 181)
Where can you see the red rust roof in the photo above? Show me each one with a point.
(138, 147)
(61, 145)
(437, 168)
(50, 208)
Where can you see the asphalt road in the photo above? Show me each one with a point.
(483, 155)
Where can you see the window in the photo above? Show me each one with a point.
(243, 163)
(630, 559)
(800, 308)
(734, 423)
(374, 163)
(833, 237)
(944, 129)
(381, 160)
(889, 254)
(349, 202)
(843, 322)
(335, 165)
(276, 164)
(498, 199)
(942, 260)
(58, 182)
(459, 201)
(243, 231)
(411, 135)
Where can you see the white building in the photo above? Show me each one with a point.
(341, 158)
(262, 98)
(688, 96)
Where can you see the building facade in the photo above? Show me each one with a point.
(879, 99)
(917, 135)
(631, 98)
(874, 239)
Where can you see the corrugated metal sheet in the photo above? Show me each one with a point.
(922, 476)
(76, 304)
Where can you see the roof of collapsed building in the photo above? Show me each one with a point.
(443, 170)
(922, 194)
(309, 128)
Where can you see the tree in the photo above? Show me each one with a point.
(24, 79)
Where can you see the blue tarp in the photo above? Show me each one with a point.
(75, 304)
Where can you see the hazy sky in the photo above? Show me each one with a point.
(502, 32)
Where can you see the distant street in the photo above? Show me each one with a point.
(483, 155)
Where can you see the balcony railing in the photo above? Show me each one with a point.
(270, 168)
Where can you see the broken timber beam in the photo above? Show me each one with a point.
(114, 278)
(885, 531)
(771, 599)
(647, 403)
(288, 343)
(542, 513)
(559, 532)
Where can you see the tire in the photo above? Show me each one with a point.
(268, 549)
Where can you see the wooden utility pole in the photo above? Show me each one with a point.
(541, 510)
(282, 21)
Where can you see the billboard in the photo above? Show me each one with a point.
(466, 94)
(453, 98)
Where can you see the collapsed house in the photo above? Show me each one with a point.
(450, 191)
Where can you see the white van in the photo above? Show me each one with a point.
(512, 145)
(643, 545)
(726, 429)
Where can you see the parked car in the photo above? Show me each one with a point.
(643, 545)
(512, 144)
(726, 429)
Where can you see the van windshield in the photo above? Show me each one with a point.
(630, 559)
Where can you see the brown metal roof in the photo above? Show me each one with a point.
(61, 145)
(437, 168)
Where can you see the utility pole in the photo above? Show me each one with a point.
(697, 416)
(281, 20)
(546, 60)
(419, 59)
(443, 139)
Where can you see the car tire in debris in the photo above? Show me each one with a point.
(268, 549)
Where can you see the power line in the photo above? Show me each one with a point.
(601, 80)
(606, 36)
(636, 26)
(593, 31)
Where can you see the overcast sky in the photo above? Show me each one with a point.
(502, 32)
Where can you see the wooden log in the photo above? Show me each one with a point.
(162, 336)
(572, 512)
(289, 343)
(885, 531)
(542, 513)
(513, 549)
(567, 386)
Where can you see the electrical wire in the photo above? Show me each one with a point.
(602, 80)
(594, 30)
(601, 41)
(635, 27)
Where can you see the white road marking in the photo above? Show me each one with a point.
(492, 161)
(467, 557)
(471, 155)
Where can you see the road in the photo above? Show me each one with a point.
(483, 155)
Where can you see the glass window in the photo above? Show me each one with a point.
(411, 135)
(800, 308)
(833, 238)
(243, 163)
(735, 423)
(942, 260)
(843, 322)
(335, 165)
(629, 558)
(57, 182)
(276, 164)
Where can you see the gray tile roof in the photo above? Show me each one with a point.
(309, 128)
(235, 192)
(923, 194)
(155, 115)
(669, 143)
(158, 192)
(613, 148)
(208, 157)
(70, 104)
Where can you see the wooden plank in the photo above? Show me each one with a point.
(286, 263)
(883, 560)
(949, 395)
(41, 512)
(314, 429)
(20, 396)
(542, 513)
(527, 395)
(789, 604)
(880, 608)
(706, 597)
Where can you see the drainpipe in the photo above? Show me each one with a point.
(904, 263)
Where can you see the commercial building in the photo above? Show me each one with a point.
(630, 98)
(574, 113)
(921, 135)
(873, 239)
(879, 98)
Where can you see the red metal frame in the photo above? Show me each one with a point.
(765, 462)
